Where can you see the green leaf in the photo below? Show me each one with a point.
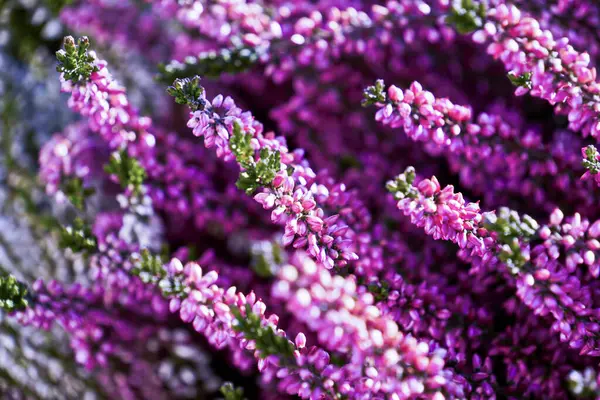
(380, 290)
(374, 94)
(13, 294)
(523, 80)
(188, 91)
(78, 237)
(256, 174)
(240, 146)
(212, 63)
(466, 16)
(56, 5)
(128, 171)
(511, 231)
(348, 161)
(150, 269)
(267, 341)
(402, 185)
(266, 258)
(232, 393)
(76, 192)
(590, 162)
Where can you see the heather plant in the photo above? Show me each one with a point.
(340, 199)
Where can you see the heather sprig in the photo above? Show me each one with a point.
(97, 96)
(189, 92)
(78, 237)
(555, 70)
(282, 175)
(211, 64)
(544, 271)
(13, 294)
(489, 150)
(230, 318)
(74, 61)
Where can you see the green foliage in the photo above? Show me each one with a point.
(239, 143)
(511, 230)
(27, 34)
(56, 5)
(466, 15)
(260, 173)
(211, 63)
(523, 80)
(232, 393)
(78, 238)
(348, 161)
(74, 61)
(13, 294)
(128, 171)
(256, 173)
(150, 269)
(267, 341)
(76, 193)
(266, 258)
(188, 91)
(380, 290)
(261, 266)
(590, 162)
(401, 186)
(374, 94)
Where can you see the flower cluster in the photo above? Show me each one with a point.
(349, 323)
(267, 164)
(487, 151)
(546, 67)
(197, 206)
(547, 274)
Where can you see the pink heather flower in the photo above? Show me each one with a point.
(349, 323)
(559, 74)
(489, 151)
(69, 155)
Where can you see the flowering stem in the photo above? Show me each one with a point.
(541, 65)
(486, 237)
(266, 165)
